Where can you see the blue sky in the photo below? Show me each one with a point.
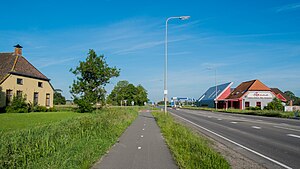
(243, 40)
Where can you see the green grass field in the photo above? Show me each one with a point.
(61, 139)
(190, 150)
(18, 121)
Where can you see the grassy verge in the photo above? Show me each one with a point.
(190, 150)
(18, 121)
(268, 113)
(74, 143)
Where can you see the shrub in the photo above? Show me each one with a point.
(83, 105)
(253, 108)
(52, 109)
(18, 105)
(275, 105)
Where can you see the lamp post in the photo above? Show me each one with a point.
(166, 56)
(216, 101)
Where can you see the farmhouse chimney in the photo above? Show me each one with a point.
(18, 50)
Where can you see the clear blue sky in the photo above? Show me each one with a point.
(243, 40)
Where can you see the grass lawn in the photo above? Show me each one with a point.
(76, 142)
(190, 150)
(17, 121)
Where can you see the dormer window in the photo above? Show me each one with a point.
(19, 81)
(40, 84)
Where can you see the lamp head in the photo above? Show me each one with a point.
(184, 17)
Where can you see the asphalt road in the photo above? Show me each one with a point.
(271, 142)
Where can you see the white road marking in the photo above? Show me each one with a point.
(143, 129)
(293, 135)
(256, 127)
(142, 136)
(234, 122)
(219, 119)
(139, 148)
(286, 128)
(240, 145)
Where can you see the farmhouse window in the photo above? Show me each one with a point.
(36, 98)
(9, 95)
(19, 93)
(47, 99)
(40, 84)
(19, 81)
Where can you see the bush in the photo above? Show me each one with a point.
(253, 108)
(52, 109)
(18, 105)
(83, 105)
(275, 105)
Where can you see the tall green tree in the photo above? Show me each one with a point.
(118, 93)
(92, 75)
(142, 95)
(295, 99)
(58, 98)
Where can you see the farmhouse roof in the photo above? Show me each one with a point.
(10, 63)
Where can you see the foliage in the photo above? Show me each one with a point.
(253, 108)
(127, 91)
(189, 149)
(142, 95)
(58, 99)
(275, 105)
(295, 99)
(18, 105)
(74, 143)
(91, 77)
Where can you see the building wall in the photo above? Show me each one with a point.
(28, 88)
(206, 103)
(253, 97)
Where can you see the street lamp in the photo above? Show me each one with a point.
(166, 56)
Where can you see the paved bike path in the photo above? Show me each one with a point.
(140, 147)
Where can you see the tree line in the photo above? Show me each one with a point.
(125, 93)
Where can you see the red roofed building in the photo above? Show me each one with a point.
(250, 94)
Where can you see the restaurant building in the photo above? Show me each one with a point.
(249, 94)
